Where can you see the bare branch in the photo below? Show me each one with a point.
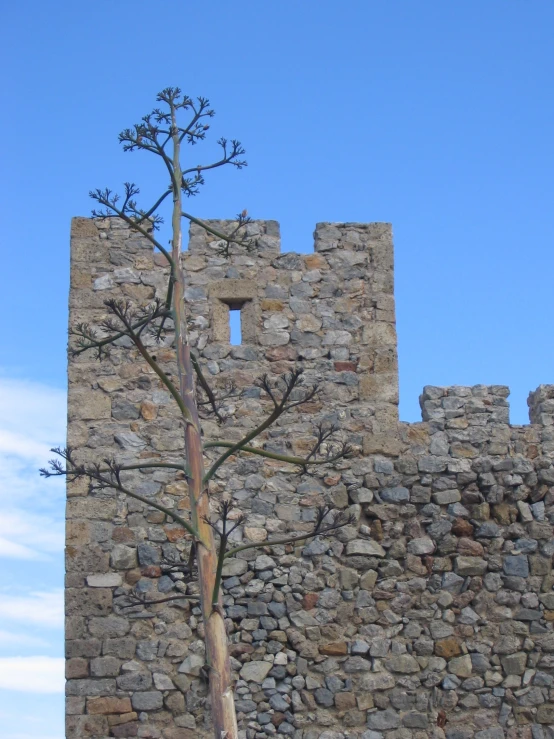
(341, 519)
(342, 451)
(106, 477)
(122, 310)
(213, 401)
(290, 381)
(109, 201)
(87, 336)
(228, 239)
(137, 599)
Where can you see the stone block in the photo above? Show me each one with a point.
(82, 727)
(149, 700)
(108, 705)
(88, 405)
(365, 547)
(382, 387)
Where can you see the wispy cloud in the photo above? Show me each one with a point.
(12, 638)
(32, 420)
(39, 608)
(36, 534)
(32, 674)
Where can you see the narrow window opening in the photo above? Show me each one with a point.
(235, 328)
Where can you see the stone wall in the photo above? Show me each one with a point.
(432, 616)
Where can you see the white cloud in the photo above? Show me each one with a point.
(32, 421)
(21, 445)
(40, 608)
(13, 550)
(32, 674)
(32, 409)
(44, 533)
(11, 638)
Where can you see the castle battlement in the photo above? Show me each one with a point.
(431, 616)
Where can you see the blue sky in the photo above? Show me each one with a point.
(437, 116)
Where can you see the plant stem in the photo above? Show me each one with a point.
(217, 653)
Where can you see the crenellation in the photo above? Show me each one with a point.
(431, 616)
(541, 405)
(479, 405)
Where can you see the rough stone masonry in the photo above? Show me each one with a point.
(432, 616)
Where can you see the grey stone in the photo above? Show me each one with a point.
(192, 665)
(123, 557)
(445, 497)
(255, 671)
(263, 562)
(517, 566)
(324, 697)
(402, 663)
(277, 610)
(420, 546)
(383, 720)
(90, 687)
(278, 703)
(395, 495)
(452, 583)
(514, 664)
(234, 567)
(363, 546)
(493, 733)
(148, 701)
(129, 441)
(148, 555)
(376, 681)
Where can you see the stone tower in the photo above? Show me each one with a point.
(432, 616)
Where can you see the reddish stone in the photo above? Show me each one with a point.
(271, 304)
(109, 705)
(345, 366)
(176, 732)
(309, 408)
(277, 353)
(160, 259)
(449, 647)
(376, 528)
(315, 261)
(282, 368)
(123, 535)
(132, 576)
(344, 701)
(383, 594)
(124, 730)
(237, 650)
(174, 533)
(308, 700)
(470, 547)
(461, 527)
(334, 649)
(309, 601)
(76, 667)
(151, 571)
(115, 719)
(278, 718)
(148, 410)
(463, 599)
